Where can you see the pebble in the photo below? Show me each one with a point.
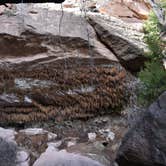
(92, 136)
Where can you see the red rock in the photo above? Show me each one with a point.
(126, 9)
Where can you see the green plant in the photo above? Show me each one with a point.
(163, 4)
(153, 78)
(152, 37)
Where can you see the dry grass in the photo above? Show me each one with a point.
(55, 102)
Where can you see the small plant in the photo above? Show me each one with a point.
(153, 76)
(152, 37)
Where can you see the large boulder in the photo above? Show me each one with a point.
(125, 41)
(54, 67)
(32, 31)
(145, 143)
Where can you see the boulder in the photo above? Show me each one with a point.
(144, 144)
(54, 67)
(122, 39)
(96, 151)
(32, 32)
(51, 157)
(8, 153)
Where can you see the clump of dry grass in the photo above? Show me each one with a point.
(77, 92)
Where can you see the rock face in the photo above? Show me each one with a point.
(55, 68)
(126, 9)
(144, 144)
(124, 41)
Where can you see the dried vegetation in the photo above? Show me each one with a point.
(80, 91)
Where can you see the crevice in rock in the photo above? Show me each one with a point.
(129, 65)
(101, 41)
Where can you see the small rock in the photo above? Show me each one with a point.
(7, 134)
(51, 136)
(37, 131)
(9, 98)
(101, 120)
(33, 131)
(108, 134)
(98, 145)
(71, 143)
(91, 136)
(106, 119)
(55, 144)
(23, 158)
(27, 99)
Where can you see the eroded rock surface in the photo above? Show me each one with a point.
(56, 68)
(129, 10)
(57, 143)
(124, 41)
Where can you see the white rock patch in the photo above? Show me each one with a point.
(51, 157)
(92, 136)
(7, 134)
(108, 134)
(22, 158)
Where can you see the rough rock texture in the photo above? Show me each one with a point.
(126, 9)
(49, 70)
(46, 145)
(124, 41)
(144, 144)
(34, 141)
(95, 150)
(5, 8)
(8, 153)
